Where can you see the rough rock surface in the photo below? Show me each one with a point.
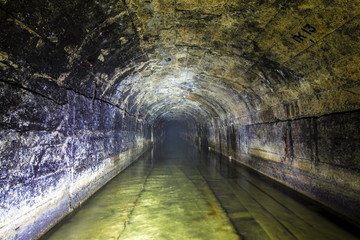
(273, 84)
(55, 156)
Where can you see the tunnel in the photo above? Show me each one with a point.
(88, 87)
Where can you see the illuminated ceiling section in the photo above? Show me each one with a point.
(239, 61)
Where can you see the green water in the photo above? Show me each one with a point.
(176, 192)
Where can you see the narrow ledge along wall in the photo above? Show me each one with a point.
(316, 156)
(56, 155)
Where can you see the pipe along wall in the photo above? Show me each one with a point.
(88, 86)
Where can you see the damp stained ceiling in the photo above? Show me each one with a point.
(219, 61)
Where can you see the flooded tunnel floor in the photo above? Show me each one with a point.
(176, 193)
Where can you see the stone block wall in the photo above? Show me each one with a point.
(317, 156)
(55, 154)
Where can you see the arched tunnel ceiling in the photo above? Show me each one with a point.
(244, 61)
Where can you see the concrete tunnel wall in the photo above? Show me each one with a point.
(87, 85)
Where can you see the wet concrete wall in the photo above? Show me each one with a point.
(317, 156)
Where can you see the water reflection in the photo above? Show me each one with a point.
(179, 192)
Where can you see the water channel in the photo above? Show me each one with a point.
(177, 192)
